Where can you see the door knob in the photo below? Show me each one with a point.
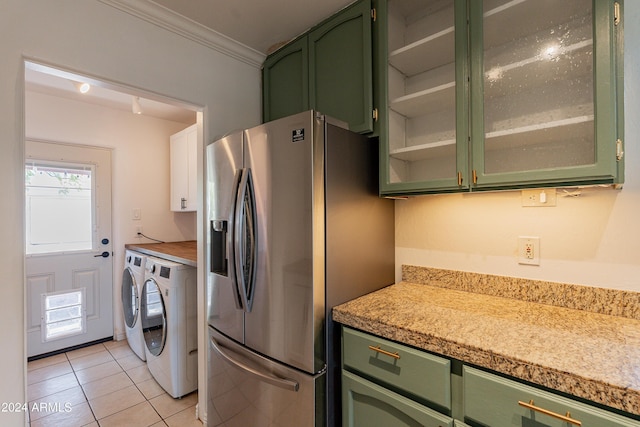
(104, 254)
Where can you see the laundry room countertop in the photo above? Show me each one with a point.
(182, 252)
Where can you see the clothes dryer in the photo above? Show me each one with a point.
(168, 312)
(132, 281)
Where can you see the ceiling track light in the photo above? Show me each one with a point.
(82, 87)
(135, 105)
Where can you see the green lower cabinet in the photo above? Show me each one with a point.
(407, 370)
(365, 404)
(490, 400)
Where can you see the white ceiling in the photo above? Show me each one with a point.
(260, 25)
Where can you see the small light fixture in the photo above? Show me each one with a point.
(135, 105)
(82, 87)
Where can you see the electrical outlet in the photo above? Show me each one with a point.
(138, 231)
(529, 250)
(539, 197)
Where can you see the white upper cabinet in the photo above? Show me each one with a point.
(183, 148)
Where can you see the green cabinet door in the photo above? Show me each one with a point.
(543, 94)
(285, 82)
(500, 94)
(365, 404)
(340, 67)
(490, 400)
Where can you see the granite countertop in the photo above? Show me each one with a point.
(182, 252)
(590, 355)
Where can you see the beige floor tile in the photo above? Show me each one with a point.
(51, 386)
(54, 403)
(74, 354)
(150, 388)
(140, 415)
(130, 362)
(47, 372)
(113, 344)
(97, 372)
(184, 418)
(89, 360)
(51, 360)
(160, 424)
(213, 419)
(139, 374)
(121, 351)
(115, 402)
(168, 406)
(93, 424)
(78, 416)
(106, 385)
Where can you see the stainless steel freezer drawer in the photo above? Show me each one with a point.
(247, 389)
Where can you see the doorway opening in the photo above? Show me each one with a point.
(133, 128)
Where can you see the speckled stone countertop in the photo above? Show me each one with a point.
(584, 353)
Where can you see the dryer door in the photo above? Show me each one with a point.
(130, 301)
(153, 317)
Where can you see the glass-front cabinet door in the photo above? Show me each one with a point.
(494, 94)
(426, 103)
(534, 94)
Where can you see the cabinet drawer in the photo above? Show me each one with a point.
(403, 368)
(367, 404)
(493, 401)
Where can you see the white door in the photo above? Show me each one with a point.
(69, 268)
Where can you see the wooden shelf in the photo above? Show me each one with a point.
(424, 151)
(423, 55)
(506, 22)
(540, 133)
(531, 135)
(420, 103)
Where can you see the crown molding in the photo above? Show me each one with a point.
(178, 24)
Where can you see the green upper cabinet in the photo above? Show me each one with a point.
(328, 69)
(494, 94)
(340, 67)
(286, 81)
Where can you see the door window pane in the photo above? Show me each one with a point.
(63, 314)
(59, 208)
(538, 84)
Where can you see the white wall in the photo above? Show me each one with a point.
(593, 239)
(140, 169)
(98, 40)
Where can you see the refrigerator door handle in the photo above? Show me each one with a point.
(284, 383)
(245, 238)
(234, 273)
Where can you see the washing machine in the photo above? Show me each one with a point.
(168, 313)
(133, 278)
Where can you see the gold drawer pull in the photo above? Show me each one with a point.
(566, 418)
(385, 352)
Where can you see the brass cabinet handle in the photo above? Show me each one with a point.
(566, 418)
(385, 352)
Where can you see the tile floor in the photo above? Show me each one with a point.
(102, 385)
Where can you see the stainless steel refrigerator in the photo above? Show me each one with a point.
(295, 227)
